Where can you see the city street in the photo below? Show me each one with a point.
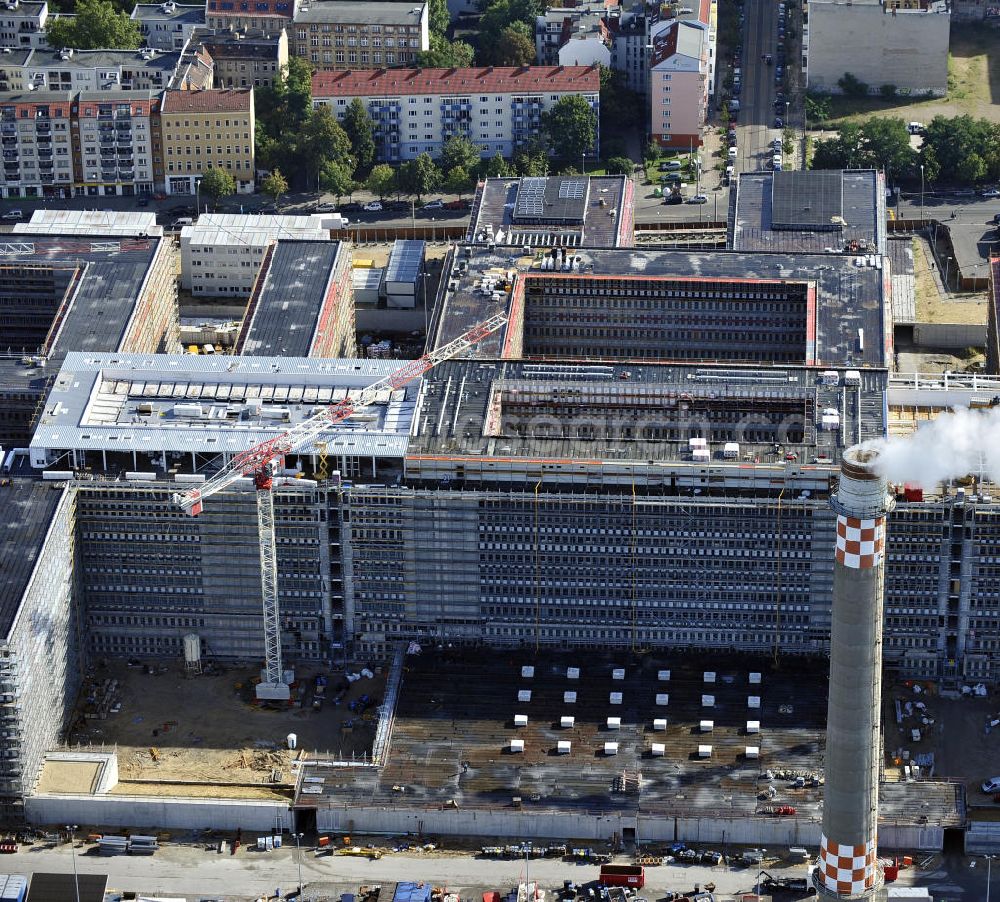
(197, 873)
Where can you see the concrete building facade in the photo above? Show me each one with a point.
(247, 60)
(415, 111)
(202, 129)
(23, 23)
(168, 25)
(266, 16)
(334, 35)
(680, 81)
(903, 43)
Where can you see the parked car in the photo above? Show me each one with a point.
(433, 205)
(698, 199)
(779, 122)
(352, 207)
(991, 785)
(671, 199)
(673, 165)
(13, 215)
(670, 177)
(373, 206)
(457, 205)
(915, 128)
(991, 192)
(996, 219)
(325, 207)
(733, 153)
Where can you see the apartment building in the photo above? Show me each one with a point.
(881, 42)
(114, 143)
(247, 60)
(335, 35)
(36, 138)
(12, 69)
(206, 129)
(22, 23)
(679, 83)
(416, 110)
(103, 70)
(266, 16)
(168, 25)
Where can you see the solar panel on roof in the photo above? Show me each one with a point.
(572, 188)
(551, 199)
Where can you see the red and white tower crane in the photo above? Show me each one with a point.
(261, 461)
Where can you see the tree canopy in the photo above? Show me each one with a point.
(361, 132)
(874, 144)
(514, 48)
(571, 126)
(217, 183)
(381, 180)
(419, 176)
(274, 185)
(445, 54)
(459, 151)
(962, 149)
(97, 25)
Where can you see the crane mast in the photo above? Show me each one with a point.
(261, 460)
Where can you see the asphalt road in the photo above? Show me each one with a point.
(196, 873)
(754, 130)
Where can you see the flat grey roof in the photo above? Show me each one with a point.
(849, 296)
(557, 198)
(758, 225)
(286, 315)
(216, 404)
(476, 696)
(406, 261)
(88, 59)
(26, 511)
(148, 12)
(374, 13)
(463, 411)
(594, 222)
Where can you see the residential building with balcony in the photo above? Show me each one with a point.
(113, 139)
(247, 60)
(36, 141)
(416, 110)
(12, 69)
(168, 25)
(629, 52)
(679, 84)
(102, 70)
(202, 130)
(335, 35)
(267, 16)
(22, 23)
(573, 35)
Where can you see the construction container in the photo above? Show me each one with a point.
(366, 285)
(623, 875)
(829, 377)
(13, 887)
(291, 740)
(614, 723)
(362, 263)
(731, 451)
(701, 454)
(697, 442)
(852, 377)
(566, 722)
(663, 698)
(412, 892)
(520, 720)
(657, 750)
(403, 273)
(704, 751)
(610, 748)
(660, 724)
(517, 745)
(706, 726)
(563, 746)
(753, 726)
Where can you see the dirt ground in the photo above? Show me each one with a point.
(204, 729)
(973, 84)
(932, 306)
(964, 748)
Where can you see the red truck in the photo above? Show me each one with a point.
(623, 875)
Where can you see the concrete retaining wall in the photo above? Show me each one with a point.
(156, 814)
(949, 335)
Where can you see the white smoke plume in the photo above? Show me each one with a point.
(952, 445)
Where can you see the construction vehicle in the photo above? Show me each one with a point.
(261, 461)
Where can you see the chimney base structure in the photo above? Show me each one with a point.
(848, 867)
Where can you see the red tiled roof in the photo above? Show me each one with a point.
(229, 100)
(492, 79)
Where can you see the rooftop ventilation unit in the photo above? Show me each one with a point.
(524, 695)
(516, 746)
(610, 748)
(660, 724)
(614, 723)
(753, 726)
(706, 726)
(569, 698)
(527, 671)
(708, 701)
(753, 701)
(520, 720)
(663, 698)
(657, 750)
(615, 698)
(663, 676)
(563, 746)
(704, 751)
(567, 722)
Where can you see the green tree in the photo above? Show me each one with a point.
(419, 176)
(438, 17)
(97, 26)
(965, 149)
(887, 92)
(274, 185)
(458, 181)
(852, 86)
(875, 144)
(619, 166)
(459, 152)
(513, 48)
(217, 183)
(929, 161)
(381, 181)
(571, 126)
(651, 152)
(445, 54)
(336, 179)
(497, 167)
(817, 108)
(532, 158)
(323, 140)
(361, 132)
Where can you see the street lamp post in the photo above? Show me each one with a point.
(298, 858)
(72, 848)
(921, 194)
(947, 270)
